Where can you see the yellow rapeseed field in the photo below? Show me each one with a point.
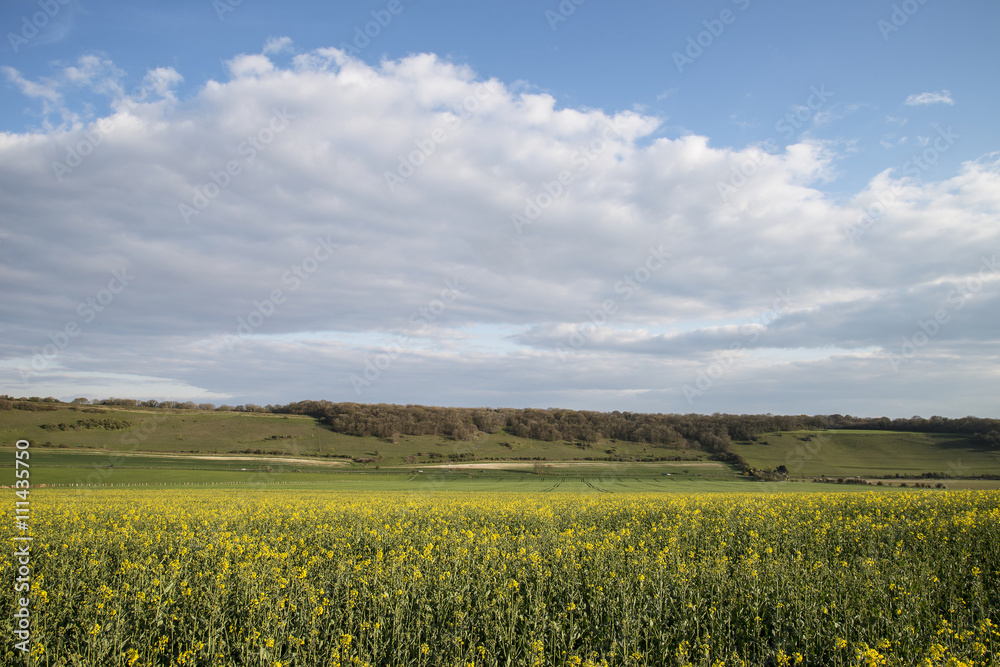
(311, 578)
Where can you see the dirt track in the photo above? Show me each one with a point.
(500, 465)
(261, 459)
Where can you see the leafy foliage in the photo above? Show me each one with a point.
(109, 424)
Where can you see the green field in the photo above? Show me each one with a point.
(106, 469)
(435, 483)
(97, 470)
(211, 432)
(870, 454)
(368, 481)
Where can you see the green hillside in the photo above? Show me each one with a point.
(104, 445)
(870, 454)
(261, 433)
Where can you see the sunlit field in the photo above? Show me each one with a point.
(286, 578)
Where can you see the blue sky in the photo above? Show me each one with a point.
(844, 152)
(611, 56)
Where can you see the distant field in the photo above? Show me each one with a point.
(429, 483)
(172, 431)
(562, 466)
(192, 446)
(62, 467)
(58, 458)
(707, 469)
(869, 453)
(209, 432)
(104, 470)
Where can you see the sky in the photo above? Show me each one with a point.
(727, 206)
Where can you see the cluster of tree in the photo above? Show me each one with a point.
(714, 434)
(32, 404)
(386, 421)
(36, 403)
(81, 424)
(170, 405)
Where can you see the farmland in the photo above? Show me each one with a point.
(437, 577)
(115, 445)
(199, 537)
(234, 433)
(836, 452)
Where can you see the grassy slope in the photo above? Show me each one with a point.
(171, 431)
(870, 453)
(230, 432)
(147, 453)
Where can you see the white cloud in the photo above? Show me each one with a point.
(277, 44)
(283, 164)
(45, 89)
(826, 117)
(891, 140)
(921, 99)
(162, 80)
(104, 385)
(245, 65)
(92, 74)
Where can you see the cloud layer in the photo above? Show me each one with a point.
(314, 227)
